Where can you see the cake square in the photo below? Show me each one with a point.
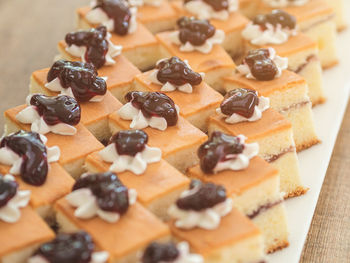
(288, 95)
(123, 240)
(58, 183)
(119, 75)
(157, 188)
(237, 239)
(215, 65)
(178, 143)
(254, 190)
(94, 115)
(195, 107)
(19, 240)
(140, 47)
(71, 159)
(338, 7)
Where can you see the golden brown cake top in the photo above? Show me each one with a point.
(237, 182)
(158, 180)
(233, 228)
(133, 231)
(153, 14)
(201, 98)
(30, 230)
(271, 122)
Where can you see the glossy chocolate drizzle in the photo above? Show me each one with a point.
(160, 252)
(194, 30)
(111, 195)
(262, 67)
(28, 145)
(274, 18)
(240, 101)
(119, 11)
(68, 248)
(8, 189)
(80, 77)
(177, 72)
(129, 142)
(154, 104)
(219, 148)
(95, 42)
(54, 110)
(207, 195)
(217, 5)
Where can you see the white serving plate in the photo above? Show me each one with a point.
(314, 162)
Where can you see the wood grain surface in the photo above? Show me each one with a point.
(29, 32)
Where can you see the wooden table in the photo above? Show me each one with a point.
(30, 30)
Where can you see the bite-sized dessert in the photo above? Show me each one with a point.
(243, 112)
(70, 159)
(81, 81)
(287, 93)
(139, 45)
(42, 176)
(203, 217)
(316, 19)
(173, 76)
(170, 252)
(277, 30)
(223, 16)
(198, 42)
(75, 247)
(94, 46)
(157, 115)
(102, 206)
(339, 10)
(252, 183)
(20, 239)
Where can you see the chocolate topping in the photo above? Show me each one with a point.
(206, 195)
(261, 65)
(129, 142)
(119, 11)
(58, 109)
(8, 190)
(95, 42)
(219, 148)
(110, 193)
(241, 102)
(68, 248)
(154, 104)
(80, 77)
(274, 18)
(217, 5)
(28, 145)
(194, 30)
(177, 72)
(158, 252)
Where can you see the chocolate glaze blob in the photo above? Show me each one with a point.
(95, 42)
(154, 104)
(68, 248)
(81, 77)
(129, 142)
(276, 17)
(111, 195)
(160, 252)
(119, 12)
(217, 5)
(177, 72)
(54, 110)
(240, 101)
(262, 67)
(205, 195)
(29, 146)
(219, 148)
(8, 189)
(194, 30)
